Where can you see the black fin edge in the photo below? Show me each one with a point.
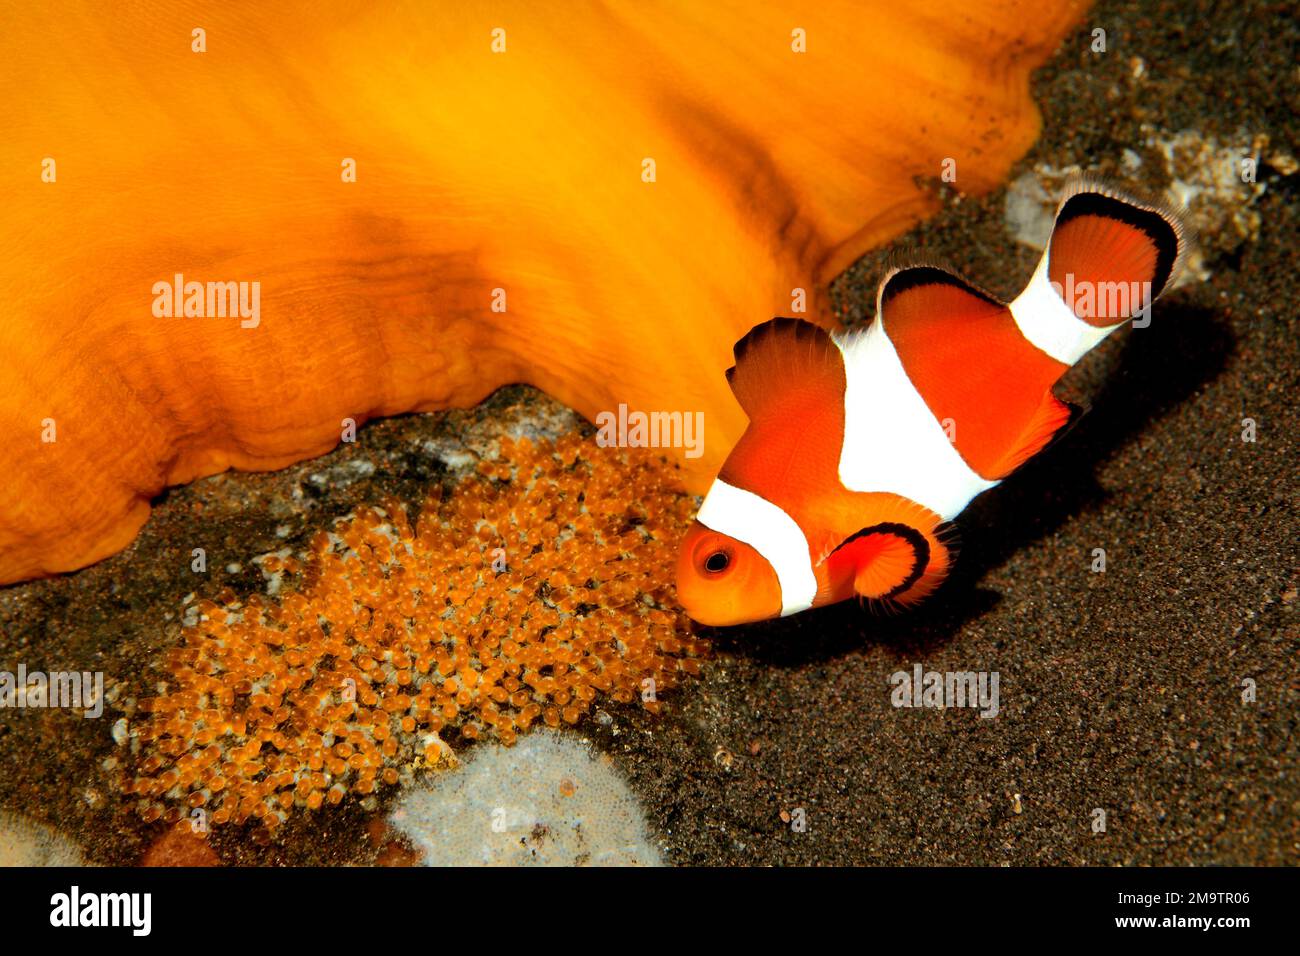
(802, 327)
(920, 551)
(1164, 222)
(1076, 415)
(902, 278)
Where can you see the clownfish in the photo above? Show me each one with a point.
(864, 445)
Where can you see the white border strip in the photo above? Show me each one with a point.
(892, 441)
(1051, 326)
(771, 532)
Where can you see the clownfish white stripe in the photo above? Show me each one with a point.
(771, 532)
(892, 441)
(1050, 325)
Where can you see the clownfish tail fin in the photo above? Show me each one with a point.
(1109, 256)
(1106, 235)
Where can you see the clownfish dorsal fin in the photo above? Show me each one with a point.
(780, 359)
(919, 285)
(789, 378)
(968, 359)
(886, 559)
(1053, 419)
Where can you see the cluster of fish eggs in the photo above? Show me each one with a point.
(535, 588)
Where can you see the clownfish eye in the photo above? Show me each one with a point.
(717, 562)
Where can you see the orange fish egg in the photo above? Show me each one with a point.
(353, 707)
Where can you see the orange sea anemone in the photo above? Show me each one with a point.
(434, 200)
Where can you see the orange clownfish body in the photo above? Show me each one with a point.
(863, 445)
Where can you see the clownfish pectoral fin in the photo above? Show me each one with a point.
(781, 361)
(885, 559)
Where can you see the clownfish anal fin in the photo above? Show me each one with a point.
(886, 559)
(1052, 420)
(780, 359)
